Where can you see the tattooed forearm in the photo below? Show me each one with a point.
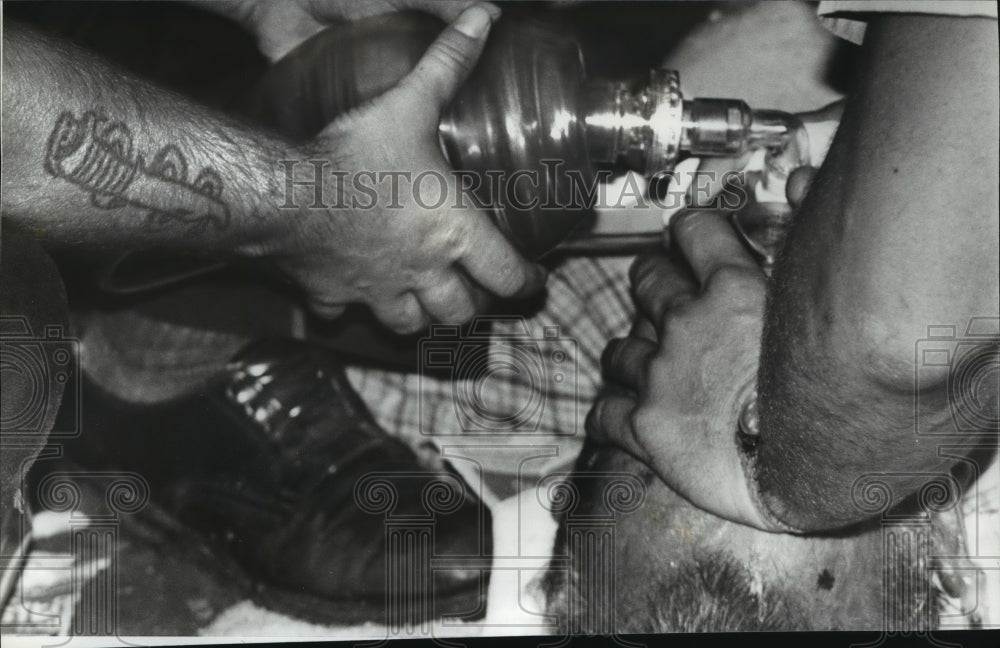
(96, 154)
(95, 157)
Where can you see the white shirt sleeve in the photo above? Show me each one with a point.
(846, 18)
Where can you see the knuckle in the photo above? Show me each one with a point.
(465, 314)
(410, 327)
(611, 353)
(686, 225)
(637, 442)
(731, 278)
(448, 235)
(645, 282)
(680, 301)
(410, 276)
(322, 301)
(639, 268)
(450, 52)
(327, 311)
(635, 421)
(725, 273)
(514, 278)
(455, 239)
(325, 300)
(406, 323)
(668, 323)
(645, 376)
(428, 280)
(463, 309)
(592, 422)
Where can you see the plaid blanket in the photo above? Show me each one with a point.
(510, 409)
(516, 407)
(588, 303)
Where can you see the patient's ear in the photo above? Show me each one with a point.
(561, 587)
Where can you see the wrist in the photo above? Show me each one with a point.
(268, 227)
(303, 203)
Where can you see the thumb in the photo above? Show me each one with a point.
(450, 58)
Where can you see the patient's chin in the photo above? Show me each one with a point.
(666, 566)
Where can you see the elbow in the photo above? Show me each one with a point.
(873, 335)
(916, 354)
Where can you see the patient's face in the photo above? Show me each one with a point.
(674, 568)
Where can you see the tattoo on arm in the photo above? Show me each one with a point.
(96, 155)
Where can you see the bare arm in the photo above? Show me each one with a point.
(281, 26)
(94, 156)
(899, 232)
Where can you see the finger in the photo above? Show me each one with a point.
(798, 183)
(678, 192)
(625, 360)
(643, 328)
(326, 310)
(609, 422)
(713, 174)
(448, 11)
(493, 262)
(482, 299)
(709, 242)
(832, 112)
(658, 285)
(403, 314)
(449, 300)
(321, 301)
(448, 61)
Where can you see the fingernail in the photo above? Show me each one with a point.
(590, 423)
(669, 214)
(494, 11)
(534, 281)
(473, 22)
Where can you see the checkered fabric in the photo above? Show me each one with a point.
(588, 303)
(588, 300)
